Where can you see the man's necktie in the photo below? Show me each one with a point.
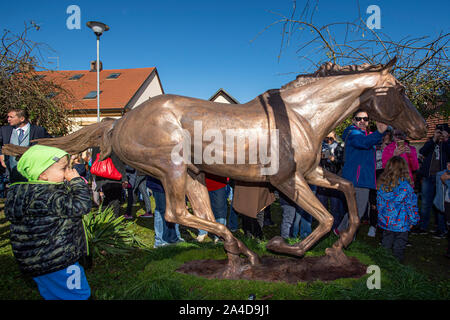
(20, 136)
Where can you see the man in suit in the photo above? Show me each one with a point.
(19, 132)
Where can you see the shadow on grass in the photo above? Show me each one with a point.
(15, 284)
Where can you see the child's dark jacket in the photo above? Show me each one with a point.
(47, 232)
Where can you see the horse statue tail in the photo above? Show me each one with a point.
(94, 135)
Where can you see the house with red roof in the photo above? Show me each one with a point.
(120, 90)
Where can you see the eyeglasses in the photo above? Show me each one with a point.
(362, 119)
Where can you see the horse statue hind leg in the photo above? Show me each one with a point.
(199, 198)
(177, 183)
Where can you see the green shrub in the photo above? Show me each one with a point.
(108, 234)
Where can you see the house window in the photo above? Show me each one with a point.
(52, 95)
(39, 77)
(76, 77)
(113, 75)
(91, 95)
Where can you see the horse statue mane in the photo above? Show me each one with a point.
(329, 69)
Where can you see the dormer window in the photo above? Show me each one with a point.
(51, 95)
(76, 77)
(113, 75)
(91, 95)
(39, 77)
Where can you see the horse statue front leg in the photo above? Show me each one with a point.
(298, 190)
(179, 185)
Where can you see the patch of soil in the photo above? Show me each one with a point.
(276, 269)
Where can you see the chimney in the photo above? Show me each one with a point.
(26, 67)
(93, 66)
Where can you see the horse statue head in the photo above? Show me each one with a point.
(387, 102)
(371, 88)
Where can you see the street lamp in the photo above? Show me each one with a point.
(98, 28)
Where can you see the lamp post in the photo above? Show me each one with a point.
(98, 28)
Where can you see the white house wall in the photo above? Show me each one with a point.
(151, 90)
(221, 99)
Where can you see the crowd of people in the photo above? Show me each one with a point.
(49, 190)
(390, 176)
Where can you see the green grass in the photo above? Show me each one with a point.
(151, 273)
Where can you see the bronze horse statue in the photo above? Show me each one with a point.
(300, 113)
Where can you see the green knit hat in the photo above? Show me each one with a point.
(37, 159)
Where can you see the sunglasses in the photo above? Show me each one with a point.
(362, 119)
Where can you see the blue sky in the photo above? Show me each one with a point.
(201, 46)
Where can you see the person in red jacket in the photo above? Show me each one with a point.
(218, 197)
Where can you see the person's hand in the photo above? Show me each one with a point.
(381, 127)
(445, 177)
(407, 148)
(69, 174)
(2, 160)
(125, 185)
(398, 151)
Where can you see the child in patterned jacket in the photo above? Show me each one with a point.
(397, 206)
(46, 230)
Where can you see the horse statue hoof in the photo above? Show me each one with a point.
(337, 257)
(275, 243)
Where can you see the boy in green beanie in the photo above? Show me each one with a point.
(47, 234)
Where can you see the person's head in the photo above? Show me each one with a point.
(388, 137)
(361, 119)
(396, 170)
(442, 131)
(330, 138)
(399, 136)
(56, 172)
(445, 136)
(17, 117)
(43, 163)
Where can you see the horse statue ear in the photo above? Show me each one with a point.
(388, 67)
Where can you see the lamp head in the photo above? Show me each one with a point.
(97, 27)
